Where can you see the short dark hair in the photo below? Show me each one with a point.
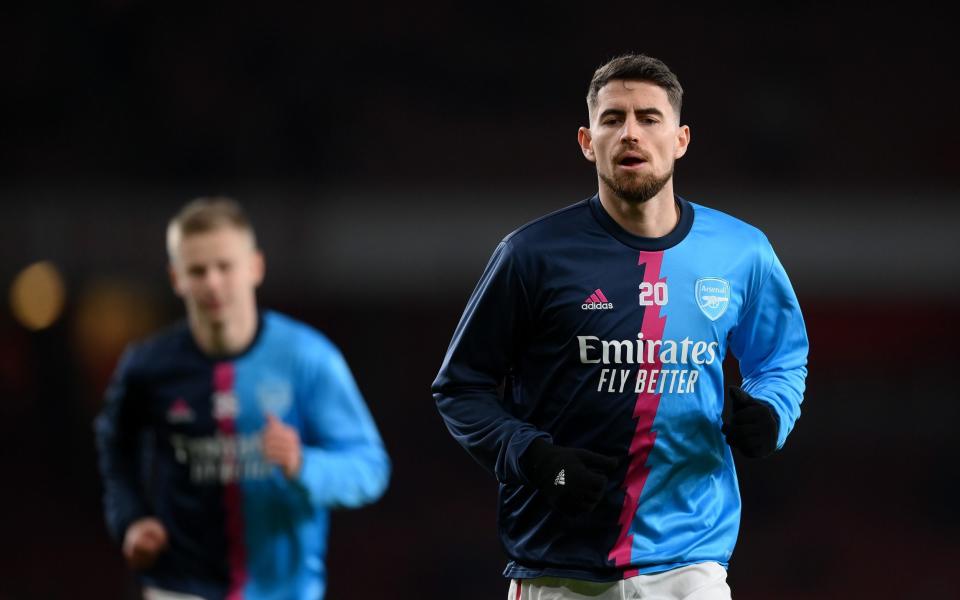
(636, 67)
(206, 214)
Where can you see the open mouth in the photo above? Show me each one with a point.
(631, 161)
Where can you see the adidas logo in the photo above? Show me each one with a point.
(597, 301)
(561, 479)
(180, 412)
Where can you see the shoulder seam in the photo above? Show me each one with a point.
(578, 205)
(523, 285)
(764, 278)
(726, 215)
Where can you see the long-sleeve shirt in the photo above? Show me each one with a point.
(180, 438)
(591, 337)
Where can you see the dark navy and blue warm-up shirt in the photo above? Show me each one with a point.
(180, 439)
(612, 342)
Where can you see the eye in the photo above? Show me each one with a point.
(197, 271)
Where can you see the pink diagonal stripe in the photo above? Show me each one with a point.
(223, 382)
(223, 377)
(645, 412)
(601, 296)
(593, 298)
(237, 554)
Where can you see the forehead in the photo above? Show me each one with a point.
(627, 94)
(221, 241)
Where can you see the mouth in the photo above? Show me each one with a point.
(212, 306)
(631, 162)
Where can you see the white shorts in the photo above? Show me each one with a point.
(702, 581)
(152, 593)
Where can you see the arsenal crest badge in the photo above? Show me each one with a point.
(713, 296)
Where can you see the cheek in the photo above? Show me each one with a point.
(197, 288)
(185, 285)
(667, 146)
(238, 281)
(600, 153)
(188, 291)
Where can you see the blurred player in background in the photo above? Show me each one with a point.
(226, 439)
(586, 371)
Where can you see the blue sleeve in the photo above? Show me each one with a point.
(344, 460)
(770, 341)
(485, 345)
(118, 429)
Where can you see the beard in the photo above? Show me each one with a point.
(637, 189)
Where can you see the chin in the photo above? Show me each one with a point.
(217, 321)
(215, 317)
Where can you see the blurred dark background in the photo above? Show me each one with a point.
(382, 152)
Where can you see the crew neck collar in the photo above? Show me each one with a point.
(638, 242)
(232, 356)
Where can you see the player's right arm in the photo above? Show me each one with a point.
(485, 344)
(143, 542)
(117, 429)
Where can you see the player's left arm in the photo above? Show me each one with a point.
(343, 459)
(770, 342)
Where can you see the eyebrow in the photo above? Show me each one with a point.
(640, 111)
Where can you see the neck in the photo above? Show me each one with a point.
(652, 219)
(224, 338)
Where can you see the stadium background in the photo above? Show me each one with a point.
(383, 152)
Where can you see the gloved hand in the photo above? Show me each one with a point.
(753, 426)
(572, 479)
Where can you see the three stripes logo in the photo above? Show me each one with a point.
(180, 412)
(597, 301)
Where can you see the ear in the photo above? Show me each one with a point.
(175, 280)
(586, 143)
(259, 267)
(683, 140)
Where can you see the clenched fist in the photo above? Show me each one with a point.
(281, 446)
(143, 542)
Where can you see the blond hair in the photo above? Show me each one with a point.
(207, 214)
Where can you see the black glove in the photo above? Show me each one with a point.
(753, 426)
(572, 479)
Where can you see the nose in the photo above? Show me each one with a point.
(631, 132)
(212, 279)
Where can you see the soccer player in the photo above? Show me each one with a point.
(226, 440)
(585, 372)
